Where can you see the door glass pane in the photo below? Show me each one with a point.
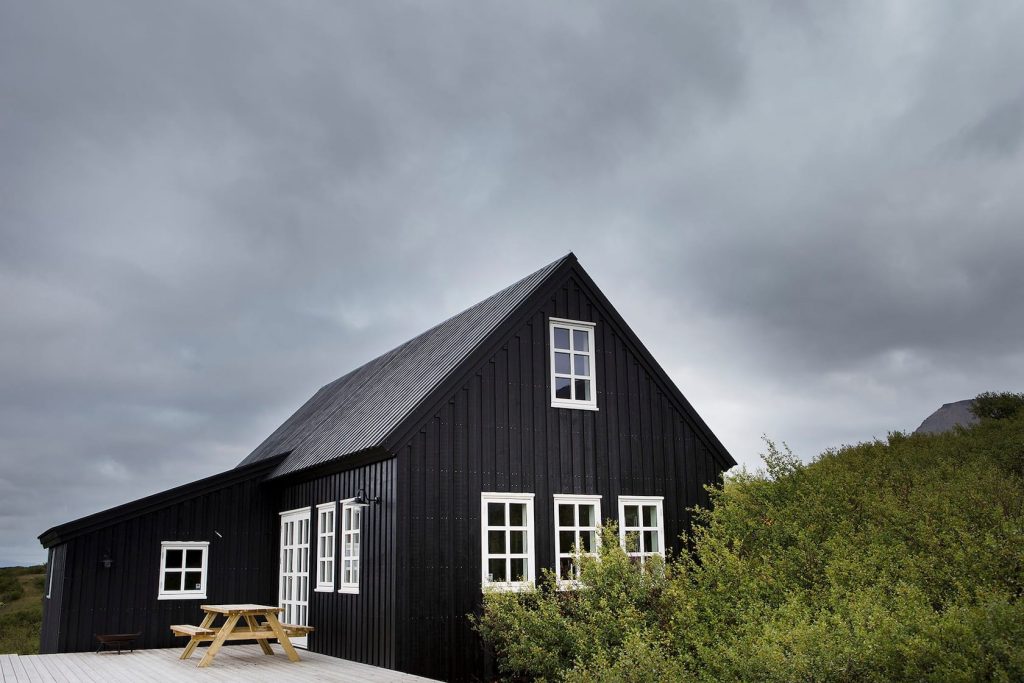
(565, 514)
(495, 514)
(565, 568)
(518, 569)
(561, 338)
(517, 514)
(517, 541)
(587, 515)
(580, 340)
(588, 541)
(651, 542)
(563, 388)
(582, 365)
(566, 540)
(562, 363)
(173, 559)
(650, 515)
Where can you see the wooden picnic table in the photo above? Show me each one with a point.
(233, 628)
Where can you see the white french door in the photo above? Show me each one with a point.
(294, 586)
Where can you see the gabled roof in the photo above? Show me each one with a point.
(358, 411)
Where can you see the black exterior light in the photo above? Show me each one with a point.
(362, 501)
(107, 561)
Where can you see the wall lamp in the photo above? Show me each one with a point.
(362, 501)
(107, 561)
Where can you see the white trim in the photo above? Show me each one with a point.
(195, 594)
(658, 503)
(322, 534)
(294, 512)
(530, 556)
(591, 355)
(575, 500)
(49, 571)
(349, 536)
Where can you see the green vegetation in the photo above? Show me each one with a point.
(886, 561)
(21, 608)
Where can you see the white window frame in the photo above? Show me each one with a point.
(591, 353)
(353, 560)
(643, 553)
(195, 594)
(328, 511)
(530, 555)
(49, 578)
(561, 553)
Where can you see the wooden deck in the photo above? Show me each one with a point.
(234, 663)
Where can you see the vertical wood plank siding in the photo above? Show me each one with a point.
(498, 432)
(88, 598)
(359, 626)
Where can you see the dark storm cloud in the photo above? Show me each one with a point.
(810, 212)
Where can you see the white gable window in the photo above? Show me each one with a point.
(577, 523)
(351, 534)
(183, 570)
(506, 537)
(325, 546)
(641, 526)
(572, 364)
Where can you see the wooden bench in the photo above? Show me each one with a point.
(117, 640)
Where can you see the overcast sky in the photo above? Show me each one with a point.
(812, 213)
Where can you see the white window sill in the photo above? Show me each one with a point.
(572, 405)
(519, 587)
(351, 590)
(181, 596)
(324, 589)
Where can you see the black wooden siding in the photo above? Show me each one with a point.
(357, 627)
(498, 432)
(52, 604)
(88, 598)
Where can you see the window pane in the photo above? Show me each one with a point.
(495, 542)
(561, 338)
(193, 581)
(588, 541)
(582, 390)
(174, 559)
(566, 540)
(563, 388)
(582, 365)
(651, 542)
(495, 514)
(650, 515)
(194, 558)
(518, 569)
(632, 516)
(496, 568)
(517, 514)
(517, 541)
(565, 515)
(172, 581)
(565, 568)
(632, 542)
(587, 515)
(580, 340)
(562, 363)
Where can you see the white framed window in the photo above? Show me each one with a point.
(641, 526)
(351, 535)
(506, 540)
(49, 575)
(577, 532)
(573, 377)
(325, 518)
(183, 570)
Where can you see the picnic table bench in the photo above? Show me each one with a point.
(233, 629)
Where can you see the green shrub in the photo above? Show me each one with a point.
(997, 405)
(10, 588)
(900, 560)
(19, 631)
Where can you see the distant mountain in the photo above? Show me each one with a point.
(947, 417)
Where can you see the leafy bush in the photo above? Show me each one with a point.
(19, 631)
(10, 588)
(900, 560)
(997, 406)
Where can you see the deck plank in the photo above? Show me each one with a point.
(233, 663)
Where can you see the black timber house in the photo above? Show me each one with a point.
(471, 455)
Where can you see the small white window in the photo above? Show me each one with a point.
(506, 536)
(577, 531)
(351, 533)
(49, 574)
(573, 380)
(183, 570)
(641, 527)
(325, 546)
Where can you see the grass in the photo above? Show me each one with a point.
(21, 609)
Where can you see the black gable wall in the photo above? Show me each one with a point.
(498, 432)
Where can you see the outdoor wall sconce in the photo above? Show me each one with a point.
(107, 561)
(362, 501)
